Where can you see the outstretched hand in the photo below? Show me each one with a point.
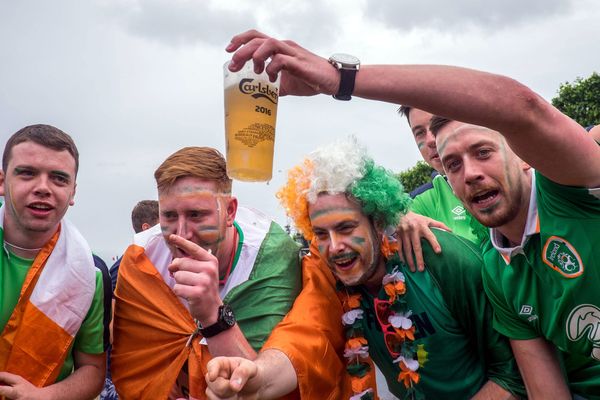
(232, 378)
(411, 229)
(302, 73)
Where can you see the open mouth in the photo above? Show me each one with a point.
(344, 261)
(39, 208)
(485, 199)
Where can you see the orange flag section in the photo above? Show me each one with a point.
(32, 345)
(312, 336)
(151, 329)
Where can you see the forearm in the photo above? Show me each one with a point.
(231, 343)
(277, 375)
(540, 369)
(84, 383)
(492, 391)
(533, 128)
(430, 87)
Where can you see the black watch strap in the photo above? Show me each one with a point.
(225, 321)
(347, 78)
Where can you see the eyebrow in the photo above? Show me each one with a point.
(61, 173)
(471, 147)
(21, 168)
(418, 126)
(338, 225)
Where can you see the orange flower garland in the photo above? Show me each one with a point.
(399, 332)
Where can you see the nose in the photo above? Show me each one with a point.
(472, 171)
(430, 139)
(182, 228)
(42, 189)
(336, 243)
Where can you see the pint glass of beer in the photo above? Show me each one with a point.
(250, 115)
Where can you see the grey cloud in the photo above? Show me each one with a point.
(459, 15)
(181, 23)
(306, 25)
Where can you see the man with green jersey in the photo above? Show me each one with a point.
(429, 333)
(499, 190)
(545, 284)
(51, 295)
(436, 199)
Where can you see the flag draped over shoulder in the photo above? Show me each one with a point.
(152, 326)
(151, 329)
(54, 300)
(312, 337)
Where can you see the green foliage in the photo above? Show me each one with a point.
(580, 100)
(415, 176)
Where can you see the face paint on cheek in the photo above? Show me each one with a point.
(420, 145)
(321, 248)
(209, 235)
(166, 230)
(358, 240)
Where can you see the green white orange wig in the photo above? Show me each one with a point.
(343, 167)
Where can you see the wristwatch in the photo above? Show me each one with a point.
(347, 65)
(225, 320)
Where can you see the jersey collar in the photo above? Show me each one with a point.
(532, 227)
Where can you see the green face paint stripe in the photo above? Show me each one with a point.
(18, 170)
(358, 240)
(329, 210)
(207, 228)
(420, 145)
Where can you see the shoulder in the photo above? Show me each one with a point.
(566, 200)
(421, 189)
(460, 260)
(260, 230)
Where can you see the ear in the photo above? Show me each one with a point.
(145, 226)
(232, 205)
(525, 166)
(72, 201)
(1, 183)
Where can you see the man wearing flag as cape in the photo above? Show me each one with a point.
(211, 279)
(51, 296)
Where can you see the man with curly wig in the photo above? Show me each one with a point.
(429, 333)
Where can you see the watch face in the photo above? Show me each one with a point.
(345, 59)
(227, 315)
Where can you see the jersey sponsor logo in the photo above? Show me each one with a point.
(584, 321)
(459, 212)
(561, 256)
(527, 311)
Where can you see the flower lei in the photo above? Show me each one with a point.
(399, 334)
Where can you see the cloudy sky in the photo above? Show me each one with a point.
(135, 80)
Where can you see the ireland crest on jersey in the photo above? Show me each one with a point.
(561, 256)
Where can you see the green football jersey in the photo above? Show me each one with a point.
(549, 285)
(441, 204)
(453, 321)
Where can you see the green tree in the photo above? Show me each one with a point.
(580, 100)
(415, 176)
